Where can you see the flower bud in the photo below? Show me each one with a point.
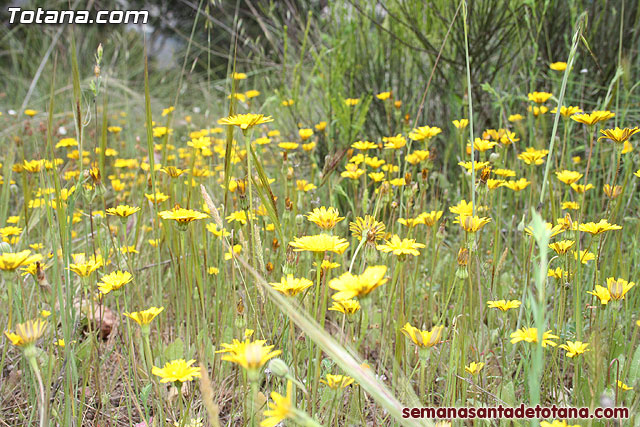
(99, 52)
(241, 186)
(291, 260)
(463, 260)
(442, 231)
(485, 174)
(463, 257)
(4, 247)
(279, 367)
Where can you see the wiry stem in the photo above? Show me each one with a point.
(31, 357)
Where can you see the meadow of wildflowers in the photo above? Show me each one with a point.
(287, 239)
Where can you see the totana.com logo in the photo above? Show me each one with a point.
(43, 16)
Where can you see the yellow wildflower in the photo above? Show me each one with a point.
(27, 333)
(569, 177)
(574, 348)
(114, 281)
(517, 185)
(325, 218)
(423, 339)
(424, 133)
(562, 247)
(320, 243)
(122, 211)
(504, 305)
(350, 286)
(144, 317)
(291, 286)
(530, 335)
(177, 371)
(347, 306)
(599, 227)
(592, 118)
(618, 135)
(394, 142)
(10, 261)
(567, 112)
(474, 368)
(364, 145)
(531, 156)
(401, 247)
(182, 215)
(558, 66)
(280, 409)
(618, 288)
(471, 224)
(337, 381)
(250, 355)
(538, 110)
(245, 121)
(539, 97)
(461, 124)
(622, 386)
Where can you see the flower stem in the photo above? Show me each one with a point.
(253, 396)
(355, 254)
(36, 371)
(423, 370)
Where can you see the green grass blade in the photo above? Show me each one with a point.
(556, 119)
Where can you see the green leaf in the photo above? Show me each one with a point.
(83, 351)
(508, 394)
(144, 393)
(175, 350)
(266, 196)
(634, 368)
